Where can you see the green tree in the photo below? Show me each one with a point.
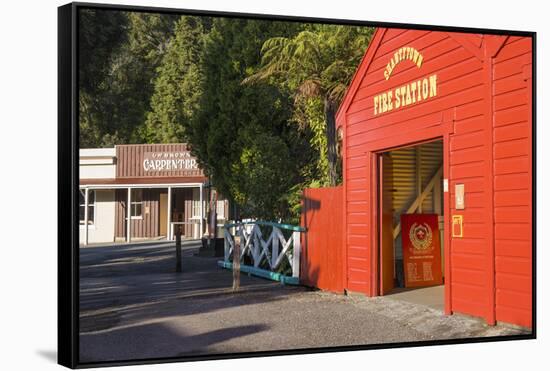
(316, 64)
(177, 88)
(100, 36)
(242, 134)
(254, 99)
(263, 176)
(119, 54)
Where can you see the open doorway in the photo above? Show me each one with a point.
(411, 227)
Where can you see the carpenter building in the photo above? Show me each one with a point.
(139, 192)
(439, 125)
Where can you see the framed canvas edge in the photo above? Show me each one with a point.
(68, 175)
(67, 172)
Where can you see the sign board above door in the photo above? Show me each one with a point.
(156, 160)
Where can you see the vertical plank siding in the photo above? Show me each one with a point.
(485, 106)
(148, 225)
(129, 166)
(130, 160)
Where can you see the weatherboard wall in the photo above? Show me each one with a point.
(481, 113)
(512, 180)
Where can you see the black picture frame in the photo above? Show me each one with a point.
(68, 181)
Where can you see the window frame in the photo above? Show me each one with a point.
(196, 209)
(220, 216)
(93, 205)
(135, 203)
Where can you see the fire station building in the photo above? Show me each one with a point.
(437, 137)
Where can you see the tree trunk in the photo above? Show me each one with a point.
(330, 119)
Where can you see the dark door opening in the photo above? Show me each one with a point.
(410, 223)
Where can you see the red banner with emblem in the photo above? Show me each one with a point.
(421, 250)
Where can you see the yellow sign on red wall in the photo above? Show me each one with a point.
(409, 93)
(405, 95)
(402, 54)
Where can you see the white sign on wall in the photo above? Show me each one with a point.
(169, 161)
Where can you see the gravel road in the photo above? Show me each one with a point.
(134, 305)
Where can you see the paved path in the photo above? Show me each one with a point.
(133, 305)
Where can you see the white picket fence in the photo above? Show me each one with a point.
(266, 252)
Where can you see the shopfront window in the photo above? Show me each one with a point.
(220, 209)
(196, 203)
(91, 206)
(137, 202)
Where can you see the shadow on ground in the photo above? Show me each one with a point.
(50, 355)
(160, 340)
(136, 283)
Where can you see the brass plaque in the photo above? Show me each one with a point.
(459, 196)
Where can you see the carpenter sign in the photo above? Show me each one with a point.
(168, 161)
(421, 250)
(156, 160)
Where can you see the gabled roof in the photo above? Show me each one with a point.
(481, 46)
(360, 73)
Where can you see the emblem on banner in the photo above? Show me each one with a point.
(421, 236)
(421, 250)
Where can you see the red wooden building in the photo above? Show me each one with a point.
(440, 123)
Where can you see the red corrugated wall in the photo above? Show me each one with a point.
(512, 176)
(322, 251)
(463, 113)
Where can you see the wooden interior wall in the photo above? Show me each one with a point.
(404, 163)
(412, 169)
(431, 155)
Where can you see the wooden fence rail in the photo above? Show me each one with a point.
(265, 248)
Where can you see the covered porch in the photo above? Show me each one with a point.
(144, 211)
